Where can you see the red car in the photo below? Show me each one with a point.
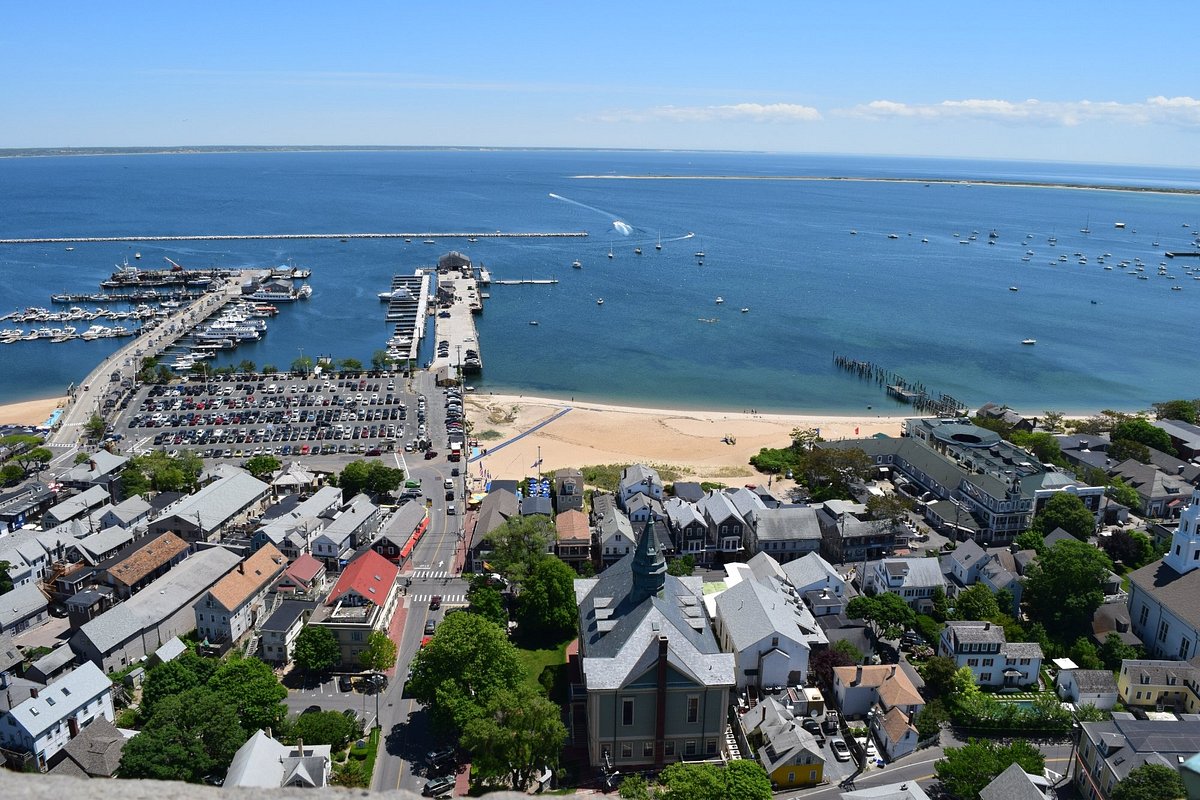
(430, 454)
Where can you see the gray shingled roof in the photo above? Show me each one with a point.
(23, 601)
(1021, 650)
(39, 714)
(159, 600)
(104, 461)
(350, 520)
(810, 571)
(752, 611)
(78, 504)
(97, 546)
(787, 523)
(286, 613)
(636, 474)
(494, 511)
(97, 749)
(1012, 784)
(218, 502)
(1140, 740)
(976, 632)
(1094, 680)
(1174, 591)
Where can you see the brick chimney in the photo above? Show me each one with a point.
(857, 675)
(33, 691)
(73, 726)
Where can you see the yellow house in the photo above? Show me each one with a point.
(1150, 683)
(789, 754)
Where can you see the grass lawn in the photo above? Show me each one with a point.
(538, 661)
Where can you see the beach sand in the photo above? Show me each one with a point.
(594, 433)
(30, 412)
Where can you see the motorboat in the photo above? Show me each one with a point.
(576, 264)
(720, 300)
(1029, 341)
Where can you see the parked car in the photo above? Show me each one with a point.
(430, 627)
(841, 751)
(440, 757)
(345, 684)
(812, 726)
(436, 787)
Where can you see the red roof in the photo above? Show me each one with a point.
(305, 568)
(371, 576)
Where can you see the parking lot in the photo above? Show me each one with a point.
(238, 416)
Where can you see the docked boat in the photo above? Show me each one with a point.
(69, 249)
(400, 293)
(304, 292)
(993, 234)
(1029, 341)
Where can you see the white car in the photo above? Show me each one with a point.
(868, 745)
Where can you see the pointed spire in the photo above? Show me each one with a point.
(649, 566)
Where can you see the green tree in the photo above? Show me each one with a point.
(634, 787)
(163, 681)
(519, 544)
(890, 508)
(546, 606)
(1031, 540)
(325, 727)
(486, 601)
(1150, 782)
(1182, 410)
(82, 457)
(246, 366)
(691, 781)
(467, 660)
(1052, 421)
(976, 603)
(939, 673)
(1043, 445)
(1065, 510)
(746, 780)
(1140, 429)
(380, 360)
(11, 473)
(822, 662)
(6, 582)
(1124, 449)
(1085, 654)
(317, 649)
(1113, 651)
(158, 471)
(379, 654)
(517, 733)
(1132, 548)
(251, 689)
(262, 466)
(350, 365)
(95, 427)
(929, 720)
(681, 567)
(302, 366)
(966, 770)
(1124, 494)
(888, 613)
(1063, 588)
(33, 460)
(190, 735)
(368, 477)
(269, 369)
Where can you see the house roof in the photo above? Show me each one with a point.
(613, 524)
(404, 522)
(495, 510)
(891, 684)
(681, 514)
(159, 600)
(98, 465)
(638, 474)
(171, 650)
(10, 656)
(751, 611)
(717, 507)
(534, 504)
(1094, 680)
(95, 547)
(967, 554)
(96, 750)
(786, 523)
(219, 501)
(1131, 742)
(572, 526)
(914, 572)
(810, 571)
(295, 474)
(369, 575)
(909, 790)
(79, 504)
(61, 699)
(149, 555)
(305, 568)
(1012, 784)
(688, 490)
(1176, 592)
(21, 602)
(249, 577)
(1183, 431)
(53, 661)
(1021, 650)
(286, 614)
(896, 724)
(745, 501)
(263, 762)
(130, 509)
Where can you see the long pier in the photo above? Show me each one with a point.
(228, 237)
(897, 387)
(528, 282)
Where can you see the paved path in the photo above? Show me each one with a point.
(520, 435)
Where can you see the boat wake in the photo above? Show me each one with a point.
(619, 225)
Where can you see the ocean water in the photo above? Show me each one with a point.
(939, 313)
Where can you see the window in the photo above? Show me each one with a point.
(985, 677)
(627, 711)
(710, 747)
(1163, 627)
(1025, 662)
(972, 662)
(693, 708)
(791, 777)
(626, 751)
(647, 749)
(669, 747)
(987, 662)
(689, 748)
(812, 776)
(1184, 647)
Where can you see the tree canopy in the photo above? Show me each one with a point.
(485, 600)
(1124, 494)
(1150, 782)
(546, 605)
(966, 770)
(324, 727)
(317, 649)
(6, 582)
(1063, 588)
(251, 688)
(190, 735)
(519, 544)
(159, 471)
(370, 477)
(379, 654)
(887, 612)
(516, 734)
(1065, 510)
(1132, 548)
(1042, 444)
(1182, 410)
(467, 660)
(262, 466)
(1140, 429)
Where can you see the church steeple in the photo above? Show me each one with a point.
(1184, 555)
(649, 566)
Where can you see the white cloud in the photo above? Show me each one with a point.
(751, 112)
(1182, 111)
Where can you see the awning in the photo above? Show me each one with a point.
(1012, 673)
(406, 551)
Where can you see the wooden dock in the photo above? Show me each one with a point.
(528, 282)
(227, 237)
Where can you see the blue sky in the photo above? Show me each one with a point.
(1098, 81)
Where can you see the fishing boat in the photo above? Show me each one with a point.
(993, 234)
(1029, 341)
(69, 249)
(400, 293)
(637, 251)
(533, 322)
(893, 236)
(1118, 225)
(746, 310)
(1013, 289)
(610, 252)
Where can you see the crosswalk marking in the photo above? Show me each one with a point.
(429, 573)
(447, 599)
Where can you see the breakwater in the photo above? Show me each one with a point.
(900, 388)
(224, 237)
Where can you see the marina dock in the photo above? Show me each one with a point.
(528, 282)
(457, 294)
(407, 308)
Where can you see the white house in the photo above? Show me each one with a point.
(1087, 687)
(43, 724)
(768, 631)
(262, 762)
(885, 696)
(1162, 595)
(993, 661)
(639, 479)
(913, 579)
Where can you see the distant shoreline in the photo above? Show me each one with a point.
(947, 181)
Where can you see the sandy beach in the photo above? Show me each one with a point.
(707, 445)
(29, 412)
